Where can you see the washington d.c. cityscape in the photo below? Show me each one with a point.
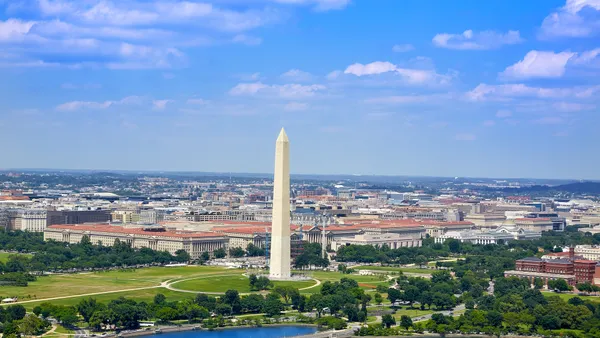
(299, 168)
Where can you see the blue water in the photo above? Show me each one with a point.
(251, 332)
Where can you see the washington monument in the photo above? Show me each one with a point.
(280, 228)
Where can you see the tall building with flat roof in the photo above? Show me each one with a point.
(78, 216)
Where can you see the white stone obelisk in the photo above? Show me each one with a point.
(280, 228)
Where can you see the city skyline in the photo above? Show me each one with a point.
(427, 88)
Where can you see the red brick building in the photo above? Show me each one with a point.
(570, 268)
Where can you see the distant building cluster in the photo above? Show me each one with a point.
(569, 266)
(171, 214)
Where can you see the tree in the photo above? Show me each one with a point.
(259, 283)
(559, 285)
(405, 322)
(205, 256)
(220, 253)
(377, 298)
(33, 326)
(453, 245)
(236, 252)
(15, 312)
(411, 294)
(253, 250)
(166, 314)
(87, 306)
(387, 320)
(538, 283)
(272, 305)
(159, 299)
(252, 303)
(394, 295)
(182, 256)
(317, 302)
(285, 292)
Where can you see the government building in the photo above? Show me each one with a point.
(153, 237)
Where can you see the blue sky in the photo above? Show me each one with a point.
(441, 88)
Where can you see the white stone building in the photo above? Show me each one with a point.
(156, 238)
(505, 233)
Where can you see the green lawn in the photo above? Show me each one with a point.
(224, 283)
(4, 256)
(567, 296)
(394, 269)
(146, 295)
(412, 313)
(84, 283)
(336, 276)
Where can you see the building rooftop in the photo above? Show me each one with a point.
(103, 227)
(541, 219)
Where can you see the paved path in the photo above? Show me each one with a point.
(86, 294)
(169, 285)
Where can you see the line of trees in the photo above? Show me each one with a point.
(55, 256)
(516, 308)
(14, 322)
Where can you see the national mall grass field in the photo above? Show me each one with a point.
(143, 284)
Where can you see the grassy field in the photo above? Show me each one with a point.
(394, 269)
(4, 256)
(146, 295)
(224, 283)
(567, 296)
(84, 283)
(412, 313)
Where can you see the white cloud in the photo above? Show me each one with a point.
(489, 123)
(334, 75)
(247, 40)
(160, 104)
(549, 120)
(538, 64)
(289, 91)
(373, 68)
(408, 99)
(465, 137)
(576, 19)
(247, 88)
(318, 5)
(84, 105)
(71, 86)
(403, 48)
(503, 113)
(411, 76)
(14, 29)
(470, 40)
(572, 107)
(295, 106)
(92, 32)
(297, 90)
(586, 58)
(297, 75)
(484, 92)
(197, 101)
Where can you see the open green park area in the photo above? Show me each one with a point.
(224, 283)
(567, 296)
(394, 269)
(412, 313)
(4, 256)
(65, 285)
(143, 284)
